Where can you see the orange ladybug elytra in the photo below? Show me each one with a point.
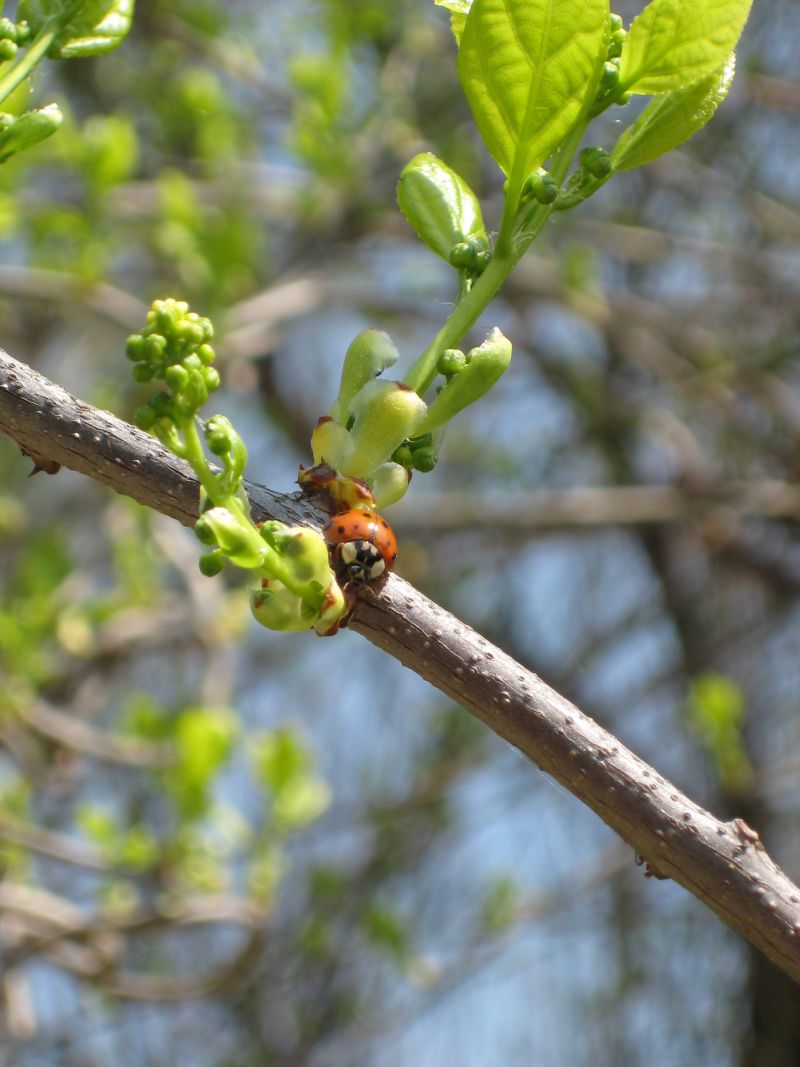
(365, 544)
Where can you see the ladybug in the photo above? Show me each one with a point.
(365, 544)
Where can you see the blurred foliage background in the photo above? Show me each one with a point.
(233, 847)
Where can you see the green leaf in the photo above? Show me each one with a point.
(674, 43)
(716, 711)
(29, 129)
(672, 118)
(529, 69)
(440, 205)
(98, 26)
(459, 9)
(203, 739)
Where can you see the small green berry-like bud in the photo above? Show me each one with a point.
(8, 31)
(23, 31)
(451, 361)
(218, 443)
(542, 186)
(134, 348)
(176, 377)
(610, 75)
(8, 50)
(596, 161)
(464, 256)
(142, 372)
(402, 455)
(211, 564)
(615, 22)
(211, 378)
(144, 417)
(206, 354)
(155, 344)
(425, 459)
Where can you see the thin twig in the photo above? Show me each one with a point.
(724, 864)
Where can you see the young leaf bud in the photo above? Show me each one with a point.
(390, 482)
(370, 354)
(386, 413)
(440, 206)
(277, 608)
(330, 442)
(487, 363)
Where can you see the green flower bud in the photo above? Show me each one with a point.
(176, 377)
(142, 372)
(330, 442)
(29, 129)
(615, 22)
(155, 346)
(540, 185)
(451, 361)
(7, 29)
(487, 363)
(610, 75)
(277, 608)
(218, 443)
(370, 354)
(23, 32)
(596, 161)
(144, 417)
(402, 455)
(224, 441)
(239, 543)
(8, 49)
(206, 354)
(386, 413)
(425, 459)
(440, 206)
(135, 348)
(211, 378)
(211, 564)
(390, 482)
(469, 256)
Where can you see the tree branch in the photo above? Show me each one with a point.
(724, 864)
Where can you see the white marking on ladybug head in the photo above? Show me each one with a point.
(349, 551)
(377, 569)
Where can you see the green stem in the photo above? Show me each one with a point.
(506, 256)
(32, 56)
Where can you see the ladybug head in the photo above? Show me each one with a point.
(362, 561)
